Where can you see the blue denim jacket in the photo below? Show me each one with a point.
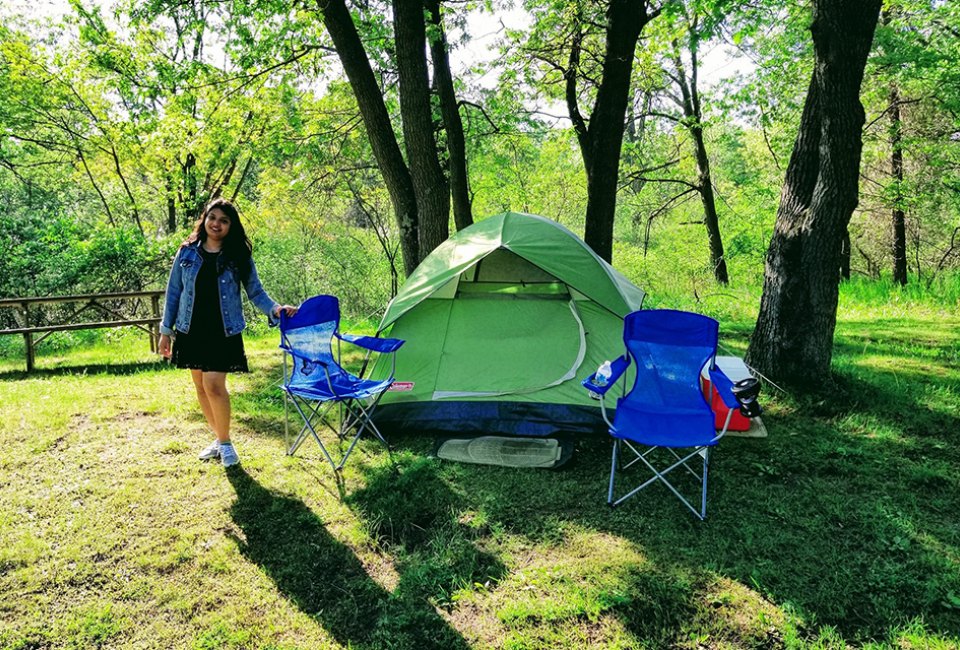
(178, 308)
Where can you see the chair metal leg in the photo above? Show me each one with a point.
(660, 476)
(308, 426)
(685, 466)
(286, 408)
(353, 443)
(613, 470)
(354, 415)
(703, 502)
(363, 416)
(286, 421)
(298, 439)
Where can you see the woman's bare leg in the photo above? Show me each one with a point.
(197, 376)
(215, 390)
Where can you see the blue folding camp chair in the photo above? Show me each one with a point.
(665, 408)
(317, 381)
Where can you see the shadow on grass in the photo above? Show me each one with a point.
(118, 369)
(323, 577)
(418, 518)
(902, 328)
(844, 516)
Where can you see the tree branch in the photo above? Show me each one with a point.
(463, 102)
(641, 177)
(666, 116)
(653, 215)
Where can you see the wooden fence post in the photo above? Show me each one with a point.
(28, 337)
(155, 327)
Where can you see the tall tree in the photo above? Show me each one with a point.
(793, 338)
(383, 141)
(690, 104)
(898, 231)
(918, 82)
(601, 134)
(420, 192)
(449, 110)
(896, 174)
(429, 183)
(688, 26)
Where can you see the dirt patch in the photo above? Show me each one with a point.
(126, 416)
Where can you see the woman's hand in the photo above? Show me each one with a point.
(164, 346)
(287, 309)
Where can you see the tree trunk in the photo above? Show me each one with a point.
(572, 99)
(896, 171)
(93, 182)
(604, 137)
(171, 207)
(429, 184)
(793, 339)
(690, 105)
(189, 200)
(243, 177)
(710, 220)
(376, 120)
(453, 125)
(635, 129)
(217, 190)
(134, 211)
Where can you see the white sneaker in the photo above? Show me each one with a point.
(211, 452)
(228, 455)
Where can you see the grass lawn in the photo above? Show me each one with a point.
(842, 528)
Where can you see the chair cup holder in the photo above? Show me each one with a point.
(747, 391)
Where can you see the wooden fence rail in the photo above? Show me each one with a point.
(30, 317)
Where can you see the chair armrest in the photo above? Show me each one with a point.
(724, 387)
(372, 342)
(617, 367)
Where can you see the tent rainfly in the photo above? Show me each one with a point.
(502, 321)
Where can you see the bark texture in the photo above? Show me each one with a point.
(693, 114)
(793, 339)
(429, 183)
(453, 125)
(896, 171)
(600, 142)
(396, 175)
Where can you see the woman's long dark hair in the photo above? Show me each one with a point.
(237, 248)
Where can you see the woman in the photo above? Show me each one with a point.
(204, 314)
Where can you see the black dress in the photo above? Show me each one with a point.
(206, 347)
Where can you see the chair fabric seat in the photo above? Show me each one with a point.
(344, 386)
(664, 426)
(318, 383)
(665, 409)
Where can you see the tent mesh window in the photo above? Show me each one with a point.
(503, 274)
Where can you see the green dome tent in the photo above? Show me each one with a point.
(502, 321)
